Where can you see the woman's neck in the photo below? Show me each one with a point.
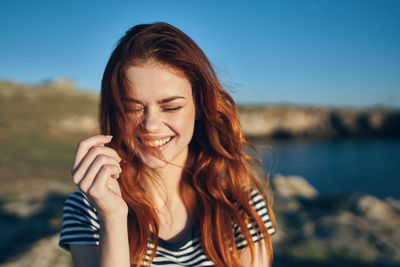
(165, 190)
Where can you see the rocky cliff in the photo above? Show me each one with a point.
(290, 121)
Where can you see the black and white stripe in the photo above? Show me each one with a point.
(258, 203)
(81, 226)
(81, 223)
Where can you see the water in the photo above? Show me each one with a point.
(369, 165)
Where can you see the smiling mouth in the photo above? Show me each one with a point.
(156, 143)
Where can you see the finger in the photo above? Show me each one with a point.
(90, 156)
(84, 176)
(86, 144)
(99, 187)
(89, 172)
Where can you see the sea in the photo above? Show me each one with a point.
(369, 166)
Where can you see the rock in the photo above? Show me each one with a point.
(375, 208)
(293, 186)
(344, 229)
(394, 204)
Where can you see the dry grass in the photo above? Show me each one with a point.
(36, 153)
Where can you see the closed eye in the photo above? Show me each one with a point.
(171, 108)
(133, 110)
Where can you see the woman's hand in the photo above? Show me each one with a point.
(95, 171)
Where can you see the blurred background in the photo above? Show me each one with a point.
(318, 88)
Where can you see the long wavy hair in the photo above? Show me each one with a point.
(218, 176)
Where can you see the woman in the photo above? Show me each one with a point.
(168, 182)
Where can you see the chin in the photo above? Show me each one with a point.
(153, 162)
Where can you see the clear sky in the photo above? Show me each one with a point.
(317, 52)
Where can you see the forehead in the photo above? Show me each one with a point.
(153, 81)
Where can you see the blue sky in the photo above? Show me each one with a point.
(304, 52)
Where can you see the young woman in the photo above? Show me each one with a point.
(168, 182)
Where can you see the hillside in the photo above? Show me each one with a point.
(39, 129)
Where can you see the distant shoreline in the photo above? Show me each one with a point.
(259, 122)
(285, 122)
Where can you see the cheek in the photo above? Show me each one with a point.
(184, 124)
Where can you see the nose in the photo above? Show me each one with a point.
(152, 120)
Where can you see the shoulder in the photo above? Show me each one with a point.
(78, 203)
(258, 203)
(81, 223)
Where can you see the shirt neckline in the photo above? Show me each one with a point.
(175, 246)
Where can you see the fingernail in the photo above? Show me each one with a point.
(109, 137)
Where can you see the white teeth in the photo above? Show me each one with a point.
(156, 143)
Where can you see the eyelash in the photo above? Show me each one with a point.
(134, 110)
(171, 109)
(163, 109)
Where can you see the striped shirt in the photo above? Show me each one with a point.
(81, 226)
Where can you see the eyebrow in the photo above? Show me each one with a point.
(162, 101)
(169, 99)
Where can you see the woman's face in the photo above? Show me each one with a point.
(162, 100)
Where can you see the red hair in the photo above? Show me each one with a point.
(219, 175)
